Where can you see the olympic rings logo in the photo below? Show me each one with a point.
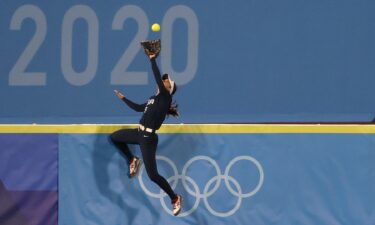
(228, 180)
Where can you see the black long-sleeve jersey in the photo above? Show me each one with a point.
(157, 106)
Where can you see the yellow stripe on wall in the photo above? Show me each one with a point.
(190, 128)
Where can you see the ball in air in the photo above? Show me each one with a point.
(155, 27)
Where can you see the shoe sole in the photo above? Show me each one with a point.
(132, 175)
(178, 212)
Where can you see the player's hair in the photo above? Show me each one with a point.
(173, 110)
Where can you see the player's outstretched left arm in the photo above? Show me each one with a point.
(136, 107)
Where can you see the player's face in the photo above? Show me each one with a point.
(167, 85)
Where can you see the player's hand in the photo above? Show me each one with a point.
(152, 56)
(119, 95)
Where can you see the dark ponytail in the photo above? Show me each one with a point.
(173, 110)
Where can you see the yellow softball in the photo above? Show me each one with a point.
(155, 27)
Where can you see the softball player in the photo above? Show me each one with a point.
(154, 112)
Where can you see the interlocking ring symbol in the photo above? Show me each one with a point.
(196, 192)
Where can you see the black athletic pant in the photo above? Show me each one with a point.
(148, 143)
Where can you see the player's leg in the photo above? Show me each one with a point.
(148, 149)
(121, 139)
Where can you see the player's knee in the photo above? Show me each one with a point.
(112, 137)
(154, 177)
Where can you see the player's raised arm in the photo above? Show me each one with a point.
(157, 74)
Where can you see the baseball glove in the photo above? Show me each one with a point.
(151, 47)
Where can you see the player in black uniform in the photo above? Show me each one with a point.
(154, 113)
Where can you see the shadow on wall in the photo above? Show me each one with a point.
(10, 214)
(104, 155)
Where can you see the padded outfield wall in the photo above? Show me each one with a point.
(228, 174)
